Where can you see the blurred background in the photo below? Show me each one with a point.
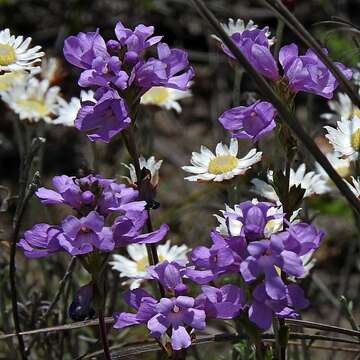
(188, 208)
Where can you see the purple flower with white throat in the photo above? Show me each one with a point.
(177, 314)
(105, 118)
(263, 308)
(250, 122)
(169, 314)
(81, 236)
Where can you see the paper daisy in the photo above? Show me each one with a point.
(15, 53)
(150, 164)
(67, 111)
(165, 98)
(135, 267)
(312, 182)
(345, 138)
(9, 79)
(239, 26)
(223, 165)
(342, 166)
(354, 186)
(342, 108)
(33, 100)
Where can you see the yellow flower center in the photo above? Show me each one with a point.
(34, 106)
(355, 139)
(356, 112)
(222, 164)
(343, 171)
(9, 78)
(156, 95)
(7, 54)
(143, 263)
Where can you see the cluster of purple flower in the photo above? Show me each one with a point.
(305, 73)
(266, 250)
(121, 73)
(178, 314)
(108, 215)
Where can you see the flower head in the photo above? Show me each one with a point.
(345, 138)
(249, 122)
(354, 186)
(15, 53)
(33, 100)
(223, 165)
(341, 165)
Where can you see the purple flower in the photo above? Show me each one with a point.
(98, 201)
(135, 41)
(263, 308)
(249, 122)
(302, 73)
(255, 217)
(223, 303)
(300, 238)
(81, 50)
(170, 276)
(103, 119)
(176, 314)
(212, 262)
(41, 240)
(81, 307)
(254, 45)
(128, 231)
(66, 192)
(81, 236)
(141, 301)
(171, 69)
(308, 73)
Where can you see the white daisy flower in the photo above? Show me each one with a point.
(345, 138)
(165, 98)
(9, 79)
(239, 26)
(354, 187)
(150, 164)
(230, 226)
(67, 111)
(15, 53)
(342, 108)
(223, 165)
(33, 100)
(312, 182)
(135, 267)
(342, 166)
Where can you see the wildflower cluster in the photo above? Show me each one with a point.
(108, 215)
(121, 74)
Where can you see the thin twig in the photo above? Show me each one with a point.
(285, 114)
(23, 198)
